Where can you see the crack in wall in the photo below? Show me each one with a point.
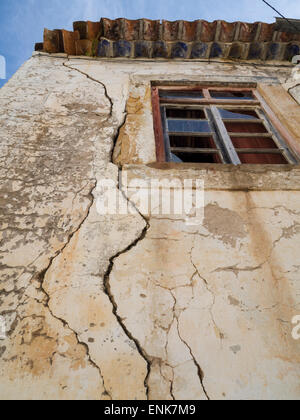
(176, 317)
(120, 126)
(199, 370)
(106, 280)
(116, 139)
(168, 380)
(212, 294)
(41, 278)
(65, 324)
(107, 290)
(94, 80)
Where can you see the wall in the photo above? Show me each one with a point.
(137, 306)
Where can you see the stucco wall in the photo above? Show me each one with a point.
(138, 306)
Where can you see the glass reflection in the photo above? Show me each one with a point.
(238, 114)
(188, 126)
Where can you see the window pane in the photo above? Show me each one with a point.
(237, 127)
(173, 94)
(262, 158)
(194, 142)
(198, 157)
(185, 113)
(253, 143)
(231, 95)
(188, 126)
(238, 114)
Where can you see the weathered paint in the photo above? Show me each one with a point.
(137, 306)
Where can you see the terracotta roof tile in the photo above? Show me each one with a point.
(180, 39)
(247, 32)
(208, 31)
(150, 30)
(189, 30)
(69, 39)
(227, 31)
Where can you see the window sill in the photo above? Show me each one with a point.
(222, 177)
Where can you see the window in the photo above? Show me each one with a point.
(217, 125)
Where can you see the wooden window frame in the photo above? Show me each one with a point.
(282, 138)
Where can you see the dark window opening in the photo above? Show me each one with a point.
(231, 95)
(197, 157)
(185, 113)
(192, 142)
(194, 149)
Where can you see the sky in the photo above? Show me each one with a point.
(22, 21)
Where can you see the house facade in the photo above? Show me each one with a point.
(106, 291)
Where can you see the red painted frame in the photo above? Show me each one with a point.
(208, 100)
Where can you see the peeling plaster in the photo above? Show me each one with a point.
(141, 308)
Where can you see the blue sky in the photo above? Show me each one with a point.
(22, 21)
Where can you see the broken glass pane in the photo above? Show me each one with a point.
(174, 158)
(238, 114)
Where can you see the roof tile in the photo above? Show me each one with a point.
(69, 39)
(170, 30)
(189, 30)
(266, 32)
(53, 42)
(81, 27)
(248, 32)
(180, 39)
(131, 30)
(151, 30)
(227, 31)
(199, 50)
(208, 31)
(112, 29)
(83, 47)
(160, 49)
(93, 30)
(143, 49)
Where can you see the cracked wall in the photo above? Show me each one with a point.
(56, 144)
(132, 306)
